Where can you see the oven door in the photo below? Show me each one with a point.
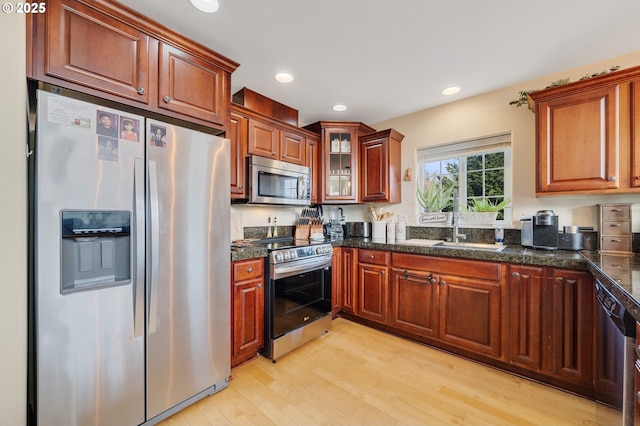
(299, 298)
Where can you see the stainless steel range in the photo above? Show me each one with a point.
(297, 295)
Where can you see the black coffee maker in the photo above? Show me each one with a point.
(545, 230)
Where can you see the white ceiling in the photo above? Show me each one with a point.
(384, 59)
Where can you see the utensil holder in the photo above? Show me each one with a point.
(379, 231)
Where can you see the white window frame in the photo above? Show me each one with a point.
(461, 150)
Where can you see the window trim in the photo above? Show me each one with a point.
(464, 148)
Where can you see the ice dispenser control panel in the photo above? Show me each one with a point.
(95, 249)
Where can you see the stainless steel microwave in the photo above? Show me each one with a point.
(278, 182)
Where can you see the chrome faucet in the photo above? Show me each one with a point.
(456, 218)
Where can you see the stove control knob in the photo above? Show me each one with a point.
(279, 257)
(287, 255)
(294, 255)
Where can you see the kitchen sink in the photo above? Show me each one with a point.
(470, 246)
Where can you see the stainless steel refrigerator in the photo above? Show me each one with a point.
(131, 304)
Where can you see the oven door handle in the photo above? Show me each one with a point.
(284, 271)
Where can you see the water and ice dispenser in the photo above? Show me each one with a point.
(95, 249)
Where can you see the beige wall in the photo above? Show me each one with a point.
(13, 217)
(488, 114)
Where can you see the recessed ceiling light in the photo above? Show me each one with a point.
(451, 90)
(283, 77)
(339, 107)
(207, 6)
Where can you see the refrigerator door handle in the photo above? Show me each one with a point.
(139, 216)
(154, 232)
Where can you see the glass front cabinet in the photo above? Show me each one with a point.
(340, 171)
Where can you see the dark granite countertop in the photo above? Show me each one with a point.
(620, 274)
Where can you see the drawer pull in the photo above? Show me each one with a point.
(250, 270)
(371, 256)
(616, 241)
(612, 178)
(560, 280)
(515, 274)
(381, 272)
(616, 210)
(638, 351)
(615, 225)
(259, 285)
(141, 91)
(638, 397)
(166, 99)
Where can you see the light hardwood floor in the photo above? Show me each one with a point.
(355, 375)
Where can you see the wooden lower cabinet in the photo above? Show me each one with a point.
(336, 281)
(414, 301)
(454, 301)
(349, 281)
(471, 314)
(572, 329)
(523, 318)
(524, 288)
(551, 328)
(373, 285)
(247, 313)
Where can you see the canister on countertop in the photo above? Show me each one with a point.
(391, 232)
(570, 239)
(401, 231)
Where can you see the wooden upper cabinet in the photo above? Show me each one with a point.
(238, 130)
(315, 168)
(192, 86)
(340, 160)
(292, 147)
(635, 134)
(577, 142)
(264, 139)
(380, 167)
(87, 47)
(103, 48)
(585, 135)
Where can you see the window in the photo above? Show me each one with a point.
(477, 169)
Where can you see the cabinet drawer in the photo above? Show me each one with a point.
(374, 257)
(609, 243)
(615, 212)
(616, 228)
(612, 262)
(463, 268)
(247, 269)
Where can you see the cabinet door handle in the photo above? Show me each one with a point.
(560, 280)
(638, 351)
(273, 153)
(250, 270)
(515, 274)
(284, 156)
(638, 177)
(259, 285)
(141, 91)
(381, 272)
(239, 186)
(638, 397)
(166, 99)
(612, 178)
(443, 282)
(371, 256)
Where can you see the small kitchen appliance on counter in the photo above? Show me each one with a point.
(540, 231)
(358, 229)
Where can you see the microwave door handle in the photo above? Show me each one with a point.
(301, 187)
